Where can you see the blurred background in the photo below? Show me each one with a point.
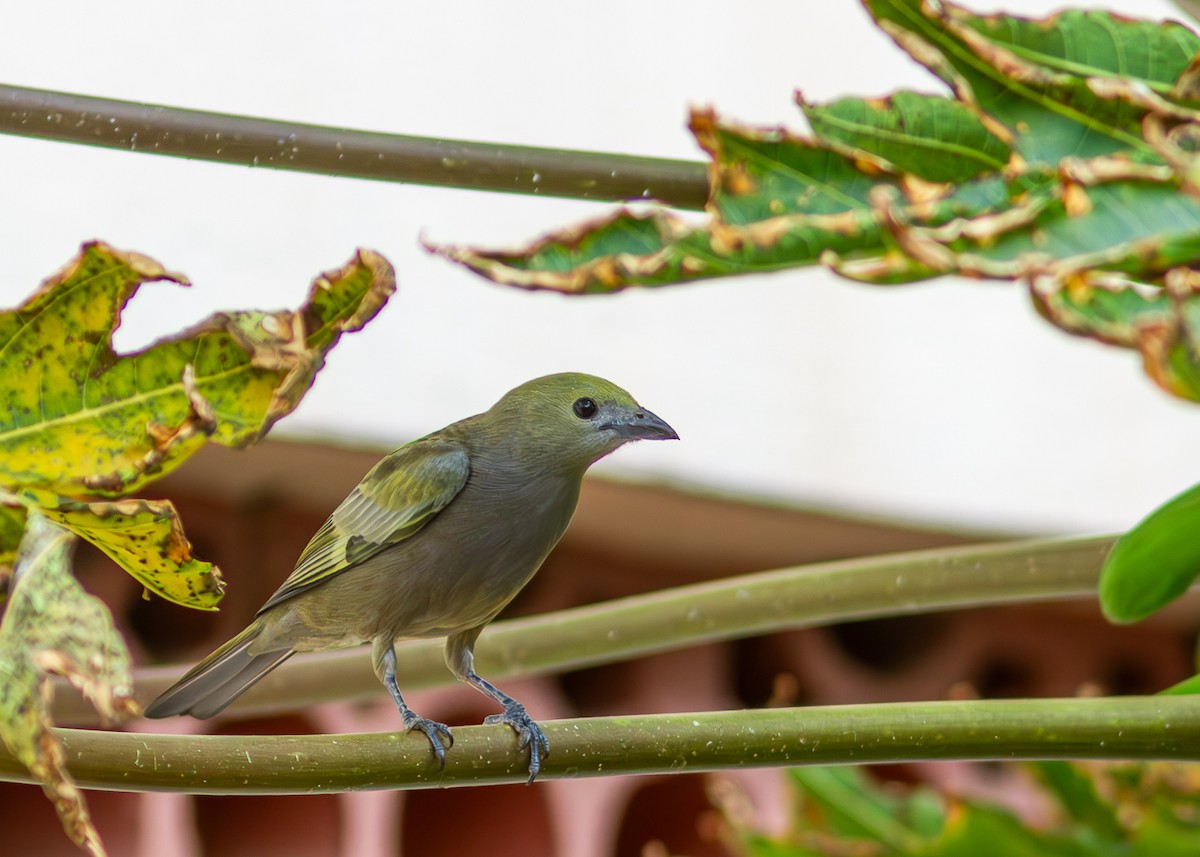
(820, 418)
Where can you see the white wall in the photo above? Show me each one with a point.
(947, 401)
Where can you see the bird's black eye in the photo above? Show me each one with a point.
(585, 408)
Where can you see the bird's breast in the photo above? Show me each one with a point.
(475, 555)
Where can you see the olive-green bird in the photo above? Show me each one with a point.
(435, 540)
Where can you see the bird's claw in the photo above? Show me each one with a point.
(529, 734)
(434, 731)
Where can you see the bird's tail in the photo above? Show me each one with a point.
(219, 679)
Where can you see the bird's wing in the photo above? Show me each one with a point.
(394, 501)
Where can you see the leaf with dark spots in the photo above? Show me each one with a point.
(51, 627)
(138, 416)
(145, 537)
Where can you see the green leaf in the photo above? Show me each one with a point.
(1155, 562)
(1166, 832)
(631, 248)
(1076, 793)
(81, 421)
(934, 138)
(1102, 810)
(780, 201)
(1096, 810)
(1037, 77)
(1142, 228)
(854, 807)
(1067, 161)
(976, 830)
(783, 201)
(52, 627)
(620, 250)
(1117, 314)
(1162, 325)
(1184, 688)
(1091, 44)
(765, 173)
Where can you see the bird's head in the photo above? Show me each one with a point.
(575, 419)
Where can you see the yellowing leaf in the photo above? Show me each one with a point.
(145, 537)
(81, 421)
(81, 426)
(53, 627)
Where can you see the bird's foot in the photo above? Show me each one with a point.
(529, 734)
(434, 731)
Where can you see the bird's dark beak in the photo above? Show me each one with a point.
(640, 424)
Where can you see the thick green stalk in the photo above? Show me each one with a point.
(1117, 728)
(805, 596)
(158, 130)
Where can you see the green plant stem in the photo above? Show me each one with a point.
(281, 145)
(744, 606)
(1114, 728)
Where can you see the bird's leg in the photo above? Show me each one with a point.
(385, 668)
(529, 734)
(461, 661)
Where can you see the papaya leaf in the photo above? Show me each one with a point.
(1117, 313)
(934, 138)
(624, 249)
(145, 537)
(1064, 86)
(1155, 562)
(637, 248)
(765, 180)
(1067, 159)
(764, 173)
(1127, 224)
(1086, 43)
(52, 627)
(82, 426)
(778, 201)
(1164, 325)
(81, 421)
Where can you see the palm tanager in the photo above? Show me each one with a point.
(434, 541)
